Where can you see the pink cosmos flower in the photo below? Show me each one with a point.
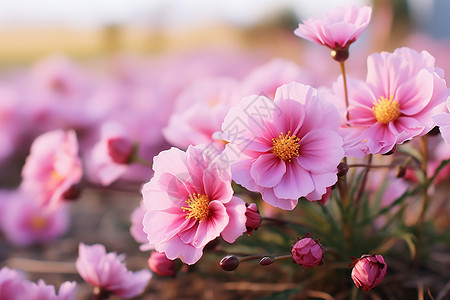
(25, 222)
(42, 291)
(189, 203)
(265, 79)
(12, 284)
(199, 112)
(338, 28)
(369, 271)
(307, 252)
(108, 272)
(111, 155)
(402, 91)
(287, 148)
(53, 166)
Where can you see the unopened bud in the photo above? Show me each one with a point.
(160, 264)
(120, 150)
(229, 263)
(307, 252)
(342, 169)
(368, 271)
(253, 218)
(265, 261)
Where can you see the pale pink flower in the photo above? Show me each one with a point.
(42, 291)
(369, 271)
(265, 79)
(24, 221)
(402, 91)
(111, 155)
(12, 284)
(137, 227)
(160, 264)
(443, 121)
(53, 166)
(338, 28)
(287, 148)
(108, 272)
(199, 112)
(189, 203)
(307, 252)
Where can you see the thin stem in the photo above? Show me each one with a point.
(370, 166)
(142, 161)
(363, 182)
(344, 77)
(281, 221)
(425, 197)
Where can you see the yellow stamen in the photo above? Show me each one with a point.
(286, 146)
(386, 110)
(198, 207)
(38, 223)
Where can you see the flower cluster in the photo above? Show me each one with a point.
(263, 150)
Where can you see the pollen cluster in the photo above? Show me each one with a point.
(198, 207)
(386, 110)
(286, 147)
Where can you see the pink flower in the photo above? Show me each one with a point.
(189, 203)
(25, 222)
(369, 271)
(338, 28)
(443, 121)
(137, 227)
(402, 91)
(41, 291)
(53, 166)
(265, 79)
(12, 284)
(287, 148)
(111, 155)
(307, 252)
(200, 110)
(160, 264)
(253, 218)
(108, 272)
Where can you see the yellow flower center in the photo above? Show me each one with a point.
(386, 110)
(198, 207)
(285, 147)
(38, 223)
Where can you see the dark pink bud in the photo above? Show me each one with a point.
(266, 261)
(253, 218)
(229, 263)
(369, 271)
(160, 264)
(307, 252)
(120, 149)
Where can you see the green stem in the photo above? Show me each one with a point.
(425, 197)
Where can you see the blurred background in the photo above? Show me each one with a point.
(31, 29)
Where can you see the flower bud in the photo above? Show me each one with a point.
(342, 169)
(120, 149)
(368, 271)
(253, 218)
(265, 261)
(160, 264)
(307, 252)
(229, 263)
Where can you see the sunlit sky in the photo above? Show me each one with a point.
(170, 13)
